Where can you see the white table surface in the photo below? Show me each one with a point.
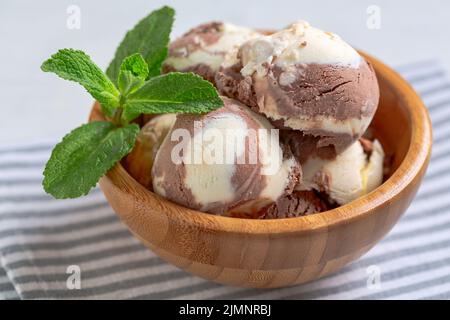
(36, 105)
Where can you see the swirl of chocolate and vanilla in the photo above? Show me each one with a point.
(216, 162)
(307, 81)
(204, 48)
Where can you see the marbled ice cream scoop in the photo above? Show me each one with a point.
(223, 162)
(328, 183)
(353, 173)
(305, 79)
(203, 49)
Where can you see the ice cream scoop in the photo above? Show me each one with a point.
(353, 173)
(305, 79)
(229, 160)
(140, 161)
(203, 49)
(296, 204)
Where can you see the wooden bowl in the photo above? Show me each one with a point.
(283, 252)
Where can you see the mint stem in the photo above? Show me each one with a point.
(117, 118)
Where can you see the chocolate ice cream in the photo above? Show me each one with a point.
(296, 204)
(299, 203)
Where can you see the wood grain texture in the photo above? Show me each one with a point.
(283, 252)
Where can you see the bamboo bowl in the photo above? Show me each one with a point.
(283, 252)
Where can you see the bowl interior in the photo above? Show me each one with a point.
(392, 126)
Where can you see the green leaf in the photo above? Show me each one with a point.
(75, 65)
(132, 75)
(128, 82)
(172, 93)
(150, 38)
(85, 155)
(136, 64)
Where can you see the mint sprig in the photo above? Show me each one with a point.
(131, 86)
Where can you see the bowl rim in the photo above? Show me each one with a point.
(415, 160)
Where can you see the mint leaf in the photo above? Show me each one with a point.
(172, 93)
(132, 75)
(136, 64)
(75, 65)
(128, 82)
(84, 155)
(150, 38)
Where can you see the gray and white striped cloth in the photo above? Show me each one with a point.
(40, 237)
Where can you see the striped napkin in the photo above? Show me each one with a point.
(42, 240)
